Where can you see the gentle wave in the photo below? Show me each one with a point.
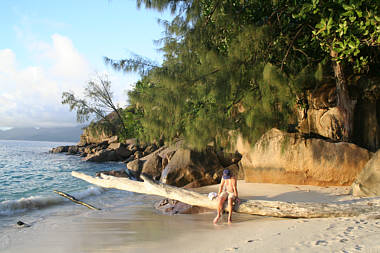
(10, 207)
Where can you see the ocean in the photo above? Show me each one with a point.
(29, 174)
(127, 222)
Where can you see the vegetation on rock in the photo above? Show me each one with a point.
(244, 66)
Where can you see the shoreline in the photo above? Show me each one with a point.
(139, 228)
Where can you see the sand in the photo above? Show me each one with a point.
(141, 229)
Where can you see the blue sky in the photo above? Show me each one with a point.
(47, 47)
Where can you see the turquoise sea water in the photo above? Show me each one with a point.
(29, 174)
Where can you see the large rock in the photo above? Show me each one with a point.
(120, 149)
(135, 167)
(319, 114)
(73, 150)
(367, 184)
(90, 136)
(104, 155)
(187, 166)
(171, 207)
(60, 149)
(147, 163)
(286, 158)
(153, 166)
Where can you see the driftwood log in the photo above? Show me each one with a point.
(73, 199)
(255, 207)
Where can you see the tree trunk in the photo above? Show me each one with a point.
(344, 103)
(256, 207)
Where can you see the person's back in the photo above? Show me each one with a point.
(230, 184)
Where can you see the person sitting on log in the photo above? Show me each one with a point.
(227, 190)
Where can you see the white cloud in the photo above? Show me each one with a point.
(31, 96)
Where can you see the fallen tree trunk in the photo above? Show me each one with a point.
(73, 199)
(255, 207)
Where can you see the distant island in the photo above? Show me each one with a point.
(59, 134)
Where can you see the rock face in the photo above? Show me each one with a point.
(95, 136)
(153, 166)
(367, 184)
(320, 114)
(367, 124)
(287, 158)
(104, 155)
(60, 149)
(187, 166)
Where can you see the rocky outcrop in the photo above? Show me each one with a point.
(104, 155)
(319, 115)
(90, 136)
(150, 165)
(367, 184)
(287, 158)
(173, 165)
(60, 149)
(187, 166)
(171, 207)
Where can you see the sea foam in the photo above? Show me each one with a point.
(10, 207)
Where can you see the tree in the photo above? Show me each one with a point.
(241, 66)
(98, 102)
(349, 31)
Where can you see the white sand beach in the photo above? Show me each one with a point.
(113, 230)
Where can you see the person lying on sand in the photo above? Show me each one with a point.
(227, 190)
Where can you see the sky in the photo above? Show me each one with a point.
(48, 47)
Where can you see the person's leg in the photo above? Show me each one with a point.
(229, 209)
(220, 208)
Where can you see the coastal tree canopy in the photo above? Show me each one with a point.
(242, 66)
(98, 103)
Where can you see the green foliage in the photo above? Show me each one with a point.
(240, 66)
(348, 28)
(133, 125)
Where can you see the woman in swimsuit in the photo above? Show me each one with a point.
(227, 190)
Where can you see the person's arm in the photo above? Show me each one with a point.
(235, 188)
(221, 186)
(236, 191)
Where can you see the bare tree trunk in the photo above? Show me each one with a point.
(256, 207)
(345, 104)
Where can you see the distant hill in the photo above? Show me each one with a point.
(59, 134)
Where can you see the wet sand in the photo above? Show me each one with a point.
(140, 228)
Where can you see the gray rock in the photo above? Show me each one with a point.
(60, 149)
(171, 207)
(103, 155)
(153, 167)
(187, 166)
(73, 150)
(135, 167)
(367, 184)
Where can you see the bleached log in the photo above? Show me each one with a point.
(73, 199)
(255, 207)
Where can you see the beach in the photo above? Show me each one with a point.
(140, 228)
